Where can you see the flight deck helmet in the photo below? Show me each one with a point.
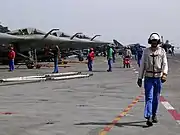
(154, 36)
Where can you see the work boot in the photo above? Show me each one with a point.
(149, 122)
(154, 119)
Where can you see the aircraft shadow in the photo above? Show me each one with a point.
(16, 68)
(120, 67)
(95, 71)
(17, 83)
(123, 124)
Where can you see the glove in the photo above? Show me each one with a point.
(164, 78)
(139, 82)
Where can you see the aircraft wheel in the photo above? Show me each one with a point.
(81, 58)
(38, 66)
(30, 66)
(65, 62)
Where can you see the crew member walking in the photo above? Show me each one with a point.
(110, 57)
(139, 55)
(127, 54)
(114, 54)
(154, 67)
(172, 51)
(56, 55)
(11, 57)
(90, 59)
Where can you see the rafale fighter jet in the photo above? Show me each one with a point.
(24, 39)
(31, 37)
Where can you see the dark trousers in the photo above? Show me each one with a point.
(11, 65)
(55, 65)
(110, 64)
(139, 61)
(89, 64)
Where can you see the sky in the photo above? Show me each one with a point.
(128, 21)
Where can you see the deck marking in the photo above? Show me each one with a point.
(108, 128)
(170, 109)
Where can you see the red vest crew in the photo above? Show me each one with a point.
(11, 57)
(90, 59)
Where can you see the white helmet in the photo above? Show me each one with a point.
(154, 37)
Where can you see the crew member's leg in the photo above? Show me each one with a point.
(90, 65)
(149, 86)
(139, 61)
(12, 65)
(156, 95)
(135, 56)
(114, 59)
(55, 65)
(124, 63)
(110, 65)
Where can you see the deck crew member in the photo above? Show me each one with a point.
(114, 54)
(11, 57)
(56, 56)
(109, 57)
(154, 67)
(90, 59)
(126, 54)
(139, 55)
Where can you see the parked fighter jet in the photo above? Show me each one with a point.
(83, 39)
(87, 41)
(36, 39)
(24, 39)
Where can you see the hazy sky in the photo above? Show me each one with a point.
(128, 21)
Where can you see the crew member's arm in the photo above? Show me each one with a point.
(130, 53)
(164, 64)
(13, 54)
(108, 54)
(141, 70)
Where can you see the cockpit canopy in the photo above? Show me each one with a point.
(26, 31)
(81, 36)
(60, 34)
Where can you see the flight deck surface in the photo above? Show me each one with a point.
(107, 103)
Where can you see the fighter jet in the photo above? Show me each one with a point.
(31, 37)
(24, 39)
(85, 41)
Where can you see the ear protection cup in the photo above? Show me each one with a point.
(149, 40)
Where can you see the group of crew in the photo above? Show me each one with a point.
(111, 52)
(110, 58)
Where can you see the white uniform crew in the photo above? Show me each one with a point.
(154, 70)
